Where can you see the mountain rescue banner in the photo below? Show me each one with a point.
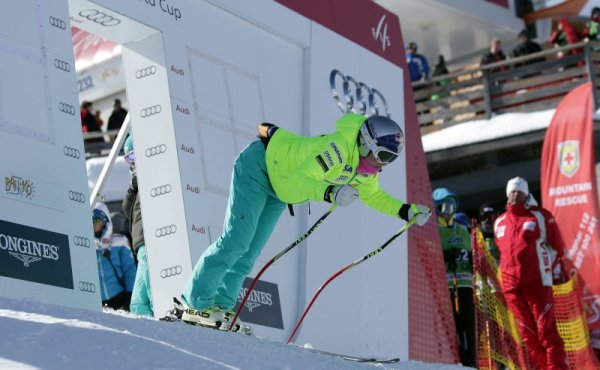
(569, 191)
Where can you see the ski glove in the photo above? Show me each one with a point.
(420, 211)
(342, 195)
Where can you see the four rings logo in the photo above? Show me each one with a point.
(66, 108)
(145, 72)
(150, 111)
(358, 97)
(71, 152)
(156, 150)
(97, 16)
(86, 286)
(81, 241)
(85, 83)
(58, 23)
(160, 190)
(165, 230)
(62, 65)
(170, 271)
(76, 197)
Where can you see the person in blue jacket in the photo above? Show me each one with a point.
(116, 267)
(418, 67)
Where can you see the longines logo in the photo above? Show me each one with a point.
(263, 306)
(19, 187)
(165, 6)
(35, 255)
(380, 33)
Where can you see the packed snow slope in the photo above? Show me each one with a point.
(41, 336)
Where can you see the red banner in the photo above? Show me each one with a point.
(569, 190)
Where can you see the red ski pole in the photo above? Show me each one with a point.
(278, 256)
(346, 268)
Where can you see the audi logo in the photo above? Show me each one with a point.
(86, 286)
(150, 111)
(85, 83)
(156, 150)
(160, 190)
(165, 230)
(145, 72)
(62, 65)
(71, 152)
(81, 241)
(66, 108)
(76, 197)
(58, 23)
(171, 271)
(97, 16)
(358, 97)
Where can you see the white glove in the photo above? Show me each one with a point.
(343, 195)
(421, 212)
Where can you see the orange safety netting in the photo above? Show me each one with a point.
(499, 343)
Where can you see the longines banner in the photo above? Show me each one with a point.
(36, 255)
(569, 191)
(263, 306)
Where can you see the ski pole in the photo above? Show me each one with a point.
(348, 267)
(278, 256)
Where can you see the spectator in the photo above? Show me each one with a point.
(418, 66)
(88, 121)
(456, 246)
(592, 28)
(530, 250)
(487, 217)
(526, 47)
(141, 299)
(565, 35)
(285, 168)
(116, 268)
(494, 55)
(440, 70)
(115, 121)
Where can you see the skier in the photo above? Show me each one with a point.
(283, 167)
(141, 299)
(530, 249)
(116, 268)
(456, 246)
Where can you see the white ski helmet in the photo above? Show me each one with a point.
(383, 137)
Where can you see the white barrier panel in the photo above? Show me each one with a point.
(47, 249)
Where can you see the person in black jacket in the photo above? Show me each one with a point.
(141, 298)
(526, 47)
(115, 121)
(494, 55)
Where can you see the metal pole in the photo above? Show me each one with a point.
(110, 161)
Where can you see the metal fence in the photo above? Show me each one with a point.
(526, 84)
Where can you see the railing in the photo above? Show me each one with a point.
(526, 84)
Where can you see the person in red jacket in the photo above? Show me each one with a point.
(530, 249)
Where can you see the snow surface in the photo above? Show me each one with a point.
(42, 336)
(504, 125)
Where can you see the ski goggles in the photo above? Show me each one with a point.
(445, 209)
(383, 155)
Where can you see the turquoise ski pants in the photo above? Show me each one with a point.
(141, 299)
(252, 213)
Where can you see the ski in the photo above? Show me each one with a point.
(374, 360)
